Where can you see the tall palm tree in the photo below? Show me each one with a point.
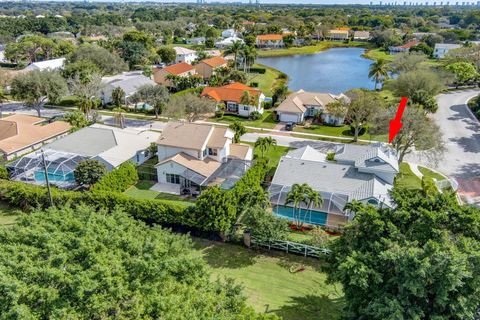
(249, 55)
(353, 206)
(314, 199)
(378, 71)
(119, 117)
(238, 129)
(296, 196)
(235, 49)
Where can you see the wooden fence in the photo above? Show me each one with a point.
(292, 247)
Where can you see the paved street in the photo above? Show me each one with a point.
(462, 137)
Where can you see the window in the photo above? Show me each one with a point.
(212, 152)
(173, 178)
(245, 108)
(205, 152)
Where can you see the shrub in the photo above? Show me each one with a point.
(264, 226)
(258, 70)
(89, 172)
(330, 156)
(267, 104)
(118, 180)
(253, 84)
(255, 115)
(3, 172)
(219, 114)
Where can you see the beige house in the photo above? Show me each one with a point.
(193, 155)
(338, 34)
(181, 69)
(301, 105)
(21, 134)
(206, 68)
(361, 36)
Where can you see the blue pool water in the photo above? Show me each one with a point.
(40, 177)
(312, 217)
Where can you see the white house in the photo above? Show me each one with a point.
(185, 55)
(129, 82)
(228, 33)
(441, 49)
(227, 42)
(269, 41)
(53, 64)
(2, 53)
(301, 105)
(231, 96)
(361, 173)
(192, 155)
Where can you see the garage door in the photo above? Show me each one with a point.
(288, 117)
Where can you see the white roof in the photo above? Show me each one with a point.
(230, 40)
(306, 153)
(447, 46)
(129, 143)
(183, 51)
(53, 64)
(128, 81)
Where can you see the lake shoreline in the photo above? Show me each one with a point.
(306, 50)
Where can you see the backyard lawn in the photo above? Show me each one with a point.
(270, 286)
(141, 191)
(266, 121)
(375, 54)
(406, 178)
(267, 81)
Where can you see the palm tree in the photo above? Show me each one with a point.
(249, 55)
(378, 71)
(119, 117)
(235, 49)
(353, 206)
(314, 200)
(296, 196)
(239, 130)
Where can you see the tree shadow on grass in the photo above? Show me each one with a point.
(222, 255)
(311, 307)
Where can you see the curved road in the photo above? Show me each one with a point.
(461, 133)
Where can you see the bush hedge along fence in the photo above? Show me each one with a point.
(107, 193)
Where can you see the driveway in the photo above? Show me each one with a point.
(461, 133)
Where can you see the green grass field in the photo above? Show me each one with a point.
(320, 46)
(378, 53)
(406, 178)
(141, 191)
(337, 131)
(267, 81)
(267, 120)
(269, 285)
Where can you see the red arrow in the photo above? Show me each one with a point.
(396, 124)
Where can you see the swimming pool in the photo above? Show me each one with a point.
(310, 216)
(54, 177)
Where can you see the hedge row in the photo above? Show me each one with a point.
(119, 179)
(258, 70)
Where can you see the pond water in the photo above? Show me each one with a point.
(334, 70)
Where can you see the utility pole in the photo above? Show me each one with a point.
(46, 178)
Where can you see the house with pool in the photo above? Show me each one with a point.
(110, 145)
(301, 105)
(192, 156)
(362, 173)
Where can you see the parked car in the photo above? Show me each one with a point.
(289, 126)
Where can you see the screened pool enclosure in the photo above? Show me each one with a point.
(60, 167)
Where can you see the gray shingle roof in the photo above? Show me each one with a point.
(130, 82)
(331, 177)
(86, 142)
(378, 156)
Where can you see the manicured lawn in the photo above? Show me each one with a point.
(8, 215)
(266, 121)
(320, 46)
(407, 179)
(431, 174)
(267, 81)
(376, 54)
(274, 154)
(270, 286)
(141, 191)
(337, 131)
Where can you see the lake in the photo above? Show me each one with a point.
(334, 70)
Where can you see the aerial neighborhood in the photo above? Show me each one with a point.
(239, 160)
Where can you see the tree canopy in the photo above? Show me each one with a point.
(418, 261)
(82, 264)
